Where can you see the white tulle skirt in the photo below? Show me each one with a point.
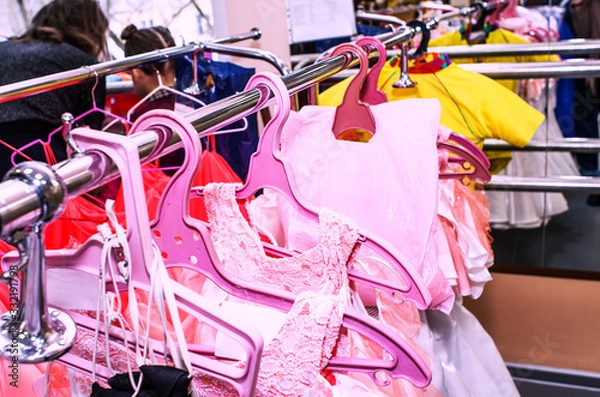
(533, 209)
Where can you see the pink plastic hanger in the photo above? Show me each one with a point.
(471, 147)
(123, 151)
(504, 9)
(94, 109)
(472, 168)
(162, 87)
(475, 165)
(353, 114)
(268, 170)
(370, 92)
(186, 242)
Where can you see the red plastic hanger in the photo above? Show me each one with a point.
(370, 92)
(504, 9)
(353, 114)
(474, 164)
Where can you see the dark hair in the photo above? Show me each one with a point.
(80, 23)
(139, 41)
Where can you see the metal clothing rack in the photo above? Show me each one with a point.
(54, 81)
(20, 205)
(566, 47)
(572, 145)
(544, 184)
(535, 70)
(519, 70)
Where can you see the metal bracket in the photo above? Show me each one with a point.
(404, 81)
(31, 332)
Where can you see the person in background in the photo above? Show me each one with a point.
(146, 78)
(583, 17)
(63, 35)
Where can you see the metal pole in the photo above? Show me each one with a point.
(19, 206)
(569, 47)
(544, 184)
(573, 145)
(253, 34)
(54, 81)
(387, 19)
(520, 70)
(536, 70)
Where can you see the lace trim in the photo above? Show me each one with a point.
(244, 258)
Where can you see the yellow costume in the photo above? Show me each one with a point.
(498, 36)
(472, 105)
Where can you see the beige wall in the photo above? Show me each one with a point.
(238, 16)
(543, 320)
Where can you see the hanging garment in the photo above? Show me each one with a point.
(318, 276)
(76, 224)
(464, 249)
(469, 102)
(157, 380)
(65, 382)
(310, 330)
(494, 35)
(565, 88)
(308, 333)
(401, 318)
(218, 80)
(370, 181)
(533, 209)
(463, 214)
(526, 209)
(467, 362)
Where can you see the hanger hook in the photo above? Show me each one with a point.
(90, 70)
(159, 77)
(194, 88)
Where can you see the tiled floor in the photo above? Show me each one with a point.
(569, 241)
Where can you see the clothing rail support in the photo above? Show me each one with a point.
(19, 205)
(54, 81)
(573, 145)
(387, 19)
(31, 332)
(255, 53)
(544, 184)
(253, 34)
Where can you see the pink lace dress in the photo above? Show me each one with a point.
(246, 259)
(292, 362)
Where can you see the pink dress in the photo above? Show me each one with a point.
(387, 185)
(292, 362)
(299, 274)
